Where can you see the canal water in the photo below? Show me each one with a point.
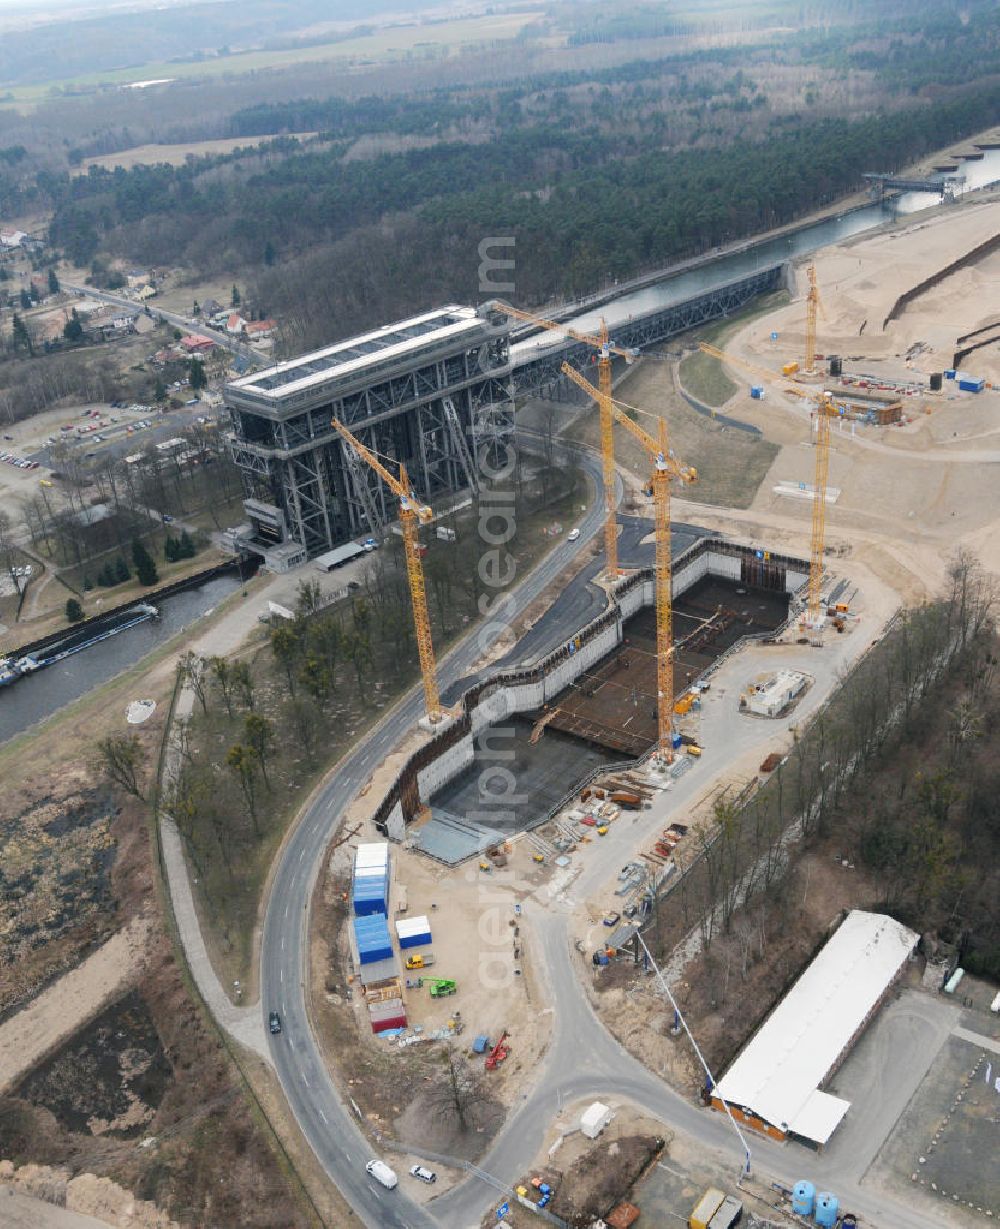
(744, 262)
(37, 696)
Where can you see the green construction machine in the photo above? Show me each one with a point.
(440, 987)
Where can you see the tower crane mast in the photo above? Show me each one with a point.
(825, 410)
(412, 514)
(605, 347)
(665, 467)
(813, 308)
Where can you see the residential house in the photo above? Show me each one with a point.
(212, 307)
(193, 344)
(145, 292)
(135, 279)
(258, 330)
(12, 238)
(235, 325)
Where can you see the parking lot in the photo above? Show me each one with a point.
(944, 1146)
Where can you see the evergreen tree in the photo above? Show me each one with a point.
(160, 389)
(145, 568)
(20, 336)
(121, 570)
(196, 310)
(53, 282)
(25, 298)
(34, 294)
(73, 329)
(197, 376)
(74, 611)
(234, 298)
(186, 548)
(170, 550)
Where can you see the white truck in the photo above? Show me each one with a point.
(381, 1172)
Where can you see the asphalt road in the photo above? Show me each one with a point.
(329, 1125)
(179, 322)
(583, 1060)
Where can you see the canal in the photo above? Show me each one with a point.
(755, 256)
(37, 696)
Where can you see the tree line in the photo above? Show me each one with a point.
(857, 769)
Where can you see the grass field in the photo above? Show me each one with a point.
(436, 39)
(731, 464)
(703, 376)
(174, 155)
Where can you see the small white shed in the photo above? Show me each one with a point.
(594, 1119)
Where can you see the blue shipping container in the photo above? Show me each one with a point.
(371, 895)
(971, 385)
(372, 935)
(949, 373)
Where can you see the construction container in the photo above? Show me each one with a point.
(836, 365)
(705, 1209)
(803, 1198)
(594, 1119)
(972, 384)
(949, 373)
(937, 380)
(728, 1215)
(757, 392)
(481, 1044)
(413, 932)
(371, 933)
(385, 1016)
(789, 369)
(827, 1206)
(374, 854)
(370, 894)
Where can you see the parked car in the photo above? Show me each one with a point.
(424, 1174)
(612, 919)
(274, 1023)
(572, 535)
(381, 1172)
(167, 519)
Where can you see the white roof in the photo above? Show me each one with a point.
(779, 1072)
(373, 853)
(391, 342)
(413, 926)
(595, 1113)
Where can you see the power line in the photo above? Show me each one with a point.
(679, 1018)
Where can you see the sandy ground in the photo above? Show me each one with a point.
(19, 1211)
(71, 1001)
(860, 281)
(473, 925)
(909, 496)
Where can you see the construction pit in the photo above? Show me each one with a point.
(606, 715)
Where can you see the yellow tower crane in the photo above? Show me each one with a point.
(606, 348)
(665, 467)
(412, 513)
(813, 309)
(825, 410)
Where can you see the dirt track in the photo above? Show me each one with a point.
(70, 1002)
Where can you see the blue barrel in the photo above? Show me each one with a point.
(803, 1198)
(827, 1206)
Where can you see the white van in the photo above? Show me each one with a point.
(381, 1172)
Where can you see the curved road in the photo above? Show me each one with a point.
(327, 1123)
(582, 1060)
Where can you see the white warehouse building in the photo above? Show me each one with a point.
(774, 1086)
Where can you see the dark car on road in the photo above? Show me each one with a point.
(274, 1022)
